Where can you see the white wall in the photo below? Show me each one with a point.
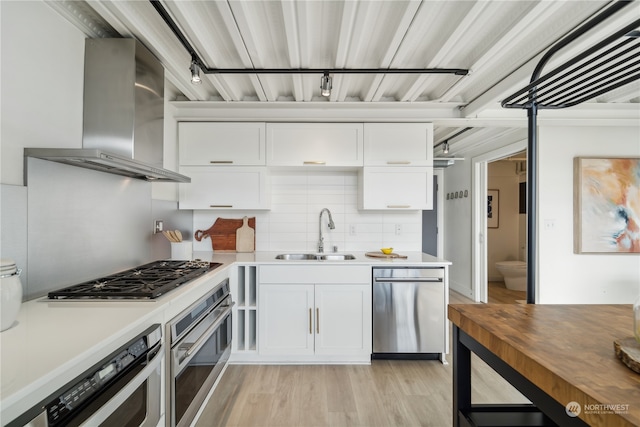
(566, 277)
(41, 68)
(42, 83)
(563, 277)
(458, 216)
(297, 197)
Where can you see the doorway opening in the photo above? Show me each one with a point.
(507, 229)
(483, 226)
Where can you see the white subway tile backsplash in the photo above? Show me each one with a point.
(297, 197)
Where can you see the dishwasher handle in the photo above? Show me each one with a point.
(408, 279)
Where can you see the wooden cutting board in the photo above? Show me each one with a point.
(223, 233)
(245, 237)
(381, 255)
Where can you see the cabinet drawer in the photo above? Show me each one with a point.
(220, 144)
(314, 144)
(305, 273)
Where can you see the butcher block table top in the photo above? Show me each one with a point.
(565, 350)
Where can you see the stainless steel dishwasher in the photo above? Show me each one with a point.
(409, 313)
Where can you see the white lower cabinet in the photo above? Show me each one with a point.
(315, 322)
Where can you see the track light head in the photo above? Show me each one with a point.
(445, 147)
(325, 85)
(195, 72)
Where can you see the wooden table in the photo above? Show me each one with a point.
(556, 355)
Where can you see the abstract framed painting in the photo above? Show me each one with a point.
(606, 205)
(493, 208)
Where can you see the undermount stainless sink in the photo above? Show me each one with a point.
(336, 257)
(316, 257)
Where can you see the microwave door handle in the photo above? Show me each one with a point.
(203, 338)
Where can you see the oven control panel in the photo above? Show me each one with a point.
(97, 379)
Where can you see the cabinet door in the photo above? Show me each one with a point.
(343, 319)
(224, 188)
(408, 144)
(314, 144)
(210, 143)
(286, 320)
(396, 188)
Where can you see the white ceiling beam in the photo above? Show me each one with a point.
(250, 35)
(83, 17)
(297, 42)
(347, 26)
(314, 111)
(519, 33)
(197, 16)
(448, 49)
(359, 39)
(379, 85)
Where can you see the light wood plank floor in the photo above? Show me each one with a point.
(499, 294)
(386, 393)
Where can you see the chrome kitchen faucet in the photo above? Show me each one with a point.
(331, 227)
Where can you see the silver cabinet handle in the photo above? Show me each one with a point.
(409, 280)
(314, 163)
(220, 206)
(221, 162)
(310, 323)
(398, 206)
(198, 343)
(317, 320)
(401, 162)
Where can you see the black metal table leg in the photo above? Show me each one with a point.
(461, 378)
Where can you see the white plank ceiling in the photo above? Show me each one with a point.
(499, 42)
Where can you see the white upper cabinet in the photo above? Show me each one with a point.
(225, 188)
(220, 144)
(398, 144)
(315, 144)
(395, 188)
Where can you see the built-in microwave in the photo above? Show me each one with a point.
(123, 390)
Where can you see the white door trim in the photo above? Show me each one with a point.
(479, 214)
(440, 212)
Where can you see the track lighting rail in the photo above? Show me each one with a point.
(206, 70)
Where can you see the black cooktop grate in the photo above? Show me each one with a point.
(144, 282)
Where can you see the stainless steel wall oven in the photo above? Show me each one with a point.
(123, 390)
(200, 345)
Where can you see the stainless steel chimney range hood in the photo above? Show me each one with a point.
(102, 161)
(123, 122)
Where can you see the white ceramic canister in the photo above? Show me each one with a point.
(10, 293)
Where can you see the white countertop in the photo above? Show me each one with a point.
(52, 342)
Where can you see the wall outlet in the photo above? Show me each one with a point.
(398, 229)
(158, 226)
(352, 230)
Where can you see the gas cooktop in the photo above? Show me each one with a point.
(148, 281)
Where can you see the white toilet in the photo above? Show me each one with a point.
(515, 274)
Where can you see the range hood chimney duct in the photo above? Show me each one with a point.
(123, 122)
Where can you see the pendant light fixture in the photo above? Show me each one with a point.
(445, 147)
(325, 85)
